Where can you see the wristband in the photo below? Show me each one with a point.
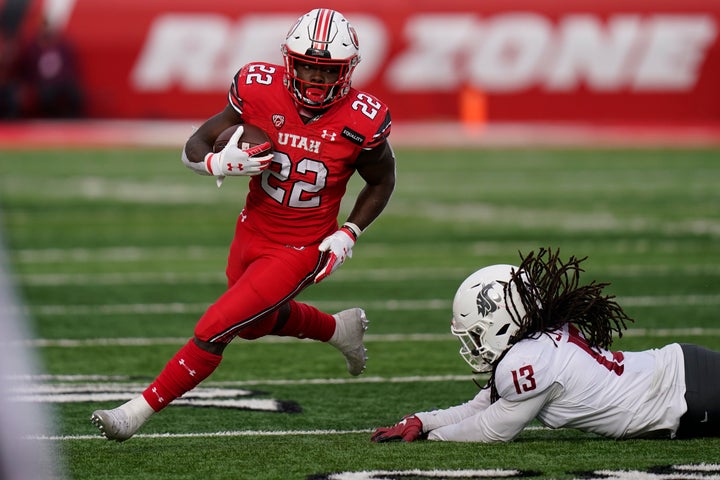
(354, 229)
(209, 162)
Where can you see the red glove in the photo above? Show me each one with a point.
(407, 430)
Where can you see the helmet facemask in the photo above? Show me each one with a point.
(472, 350)
(312, 94)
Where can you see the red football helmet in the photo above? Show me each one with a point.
(321, 37)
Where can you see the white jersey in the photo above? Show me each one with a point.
(561, 381)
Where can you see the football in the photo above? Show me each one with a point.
(254, 140)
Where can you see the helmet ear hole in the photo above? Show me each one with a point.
(503, 330)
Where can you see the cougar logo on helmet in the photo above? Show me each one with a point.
(488, 299)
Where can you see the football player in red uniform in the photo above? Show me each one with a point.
(287, 236)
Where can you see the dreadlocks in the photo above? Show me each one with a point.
(552, 296)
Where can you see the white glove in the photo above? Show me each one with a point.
(233, 161)
(339, 244)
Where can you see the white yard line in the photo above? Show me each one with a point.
(202, 252)
(388, 274)
(233, 433)
(380, 338)
(432, 304)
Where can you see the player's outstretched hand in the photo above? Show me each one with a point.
(339, 245)
(231, 160)
(407, 430)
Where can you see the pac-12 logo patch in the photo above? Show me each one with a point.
(278, 120)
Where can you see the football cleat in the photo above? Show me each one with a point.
(116, 424)
(350, 326)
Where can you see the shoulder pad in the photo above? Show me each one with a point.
(369, 119)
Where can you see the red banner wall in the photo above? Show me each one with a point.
(635, 61)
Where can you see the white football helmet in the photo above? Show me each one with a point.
(325, 38)
(483, 311)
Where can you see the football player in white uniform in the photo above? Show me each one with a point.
(545, 338)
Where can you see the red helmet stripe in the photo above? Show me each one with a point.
(321, 35)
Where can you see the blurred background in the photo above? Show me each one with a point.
(516, 71)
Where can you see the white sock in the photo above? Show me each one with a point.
(138, 407)
(336, 334)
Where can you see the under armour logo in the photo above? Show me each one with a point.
(243, 216)
(189, 370)
(328, 135)
(159, 398)
(238, 166)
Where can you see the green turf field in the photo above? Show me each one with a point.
(116, 253)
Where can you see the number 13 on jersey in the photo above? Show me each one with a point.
(523, 379)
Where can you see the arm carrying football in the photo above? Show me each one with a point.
(198, 153)
(230, 161)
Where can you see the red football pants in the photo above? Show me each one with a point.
(262, 276)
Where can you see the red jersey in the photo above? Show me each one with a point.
(296, 201)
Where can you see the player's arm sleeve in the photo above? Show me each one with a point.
(234, 92)
(381, 133)
(449, 416)
(500, 422)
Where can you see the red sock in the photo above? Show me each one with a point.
(190, 366)
(305, 321)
